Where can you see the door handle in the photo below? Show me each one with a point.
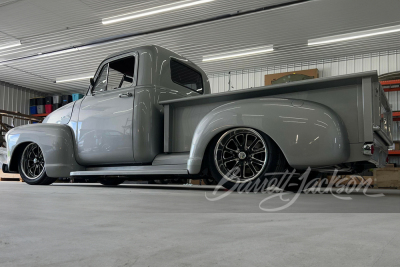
(125, 95)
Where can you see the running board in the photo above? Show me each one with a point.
(133, 170)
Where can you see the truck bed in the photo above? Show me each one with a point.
(357, 98)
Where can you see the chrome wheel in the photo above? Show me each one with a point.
(240, 155)
(32, 163)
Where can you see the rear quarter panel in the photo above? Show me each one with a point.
(308, 133)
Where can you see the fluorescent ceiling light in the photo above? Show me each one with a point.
(74, 78)
(154, 10)
(10, 44)
(240, 53)
(353, 35)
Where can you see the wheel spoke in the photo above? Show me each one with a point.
(257, 160)
(239, 143)
(232, 154)
(252, 168)
(230, 150)
(235, 142)
(257, 152)
(242, 170)
(256, 141)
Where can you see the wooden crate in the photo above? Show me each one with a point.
(10, 177)
(388, 177)
(350, 180)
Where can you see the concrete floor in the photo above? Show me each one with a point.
(139, 225)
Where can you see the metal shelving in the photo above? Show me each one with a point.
(395, 114)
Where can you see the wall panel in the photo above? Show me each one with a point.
(16, 98)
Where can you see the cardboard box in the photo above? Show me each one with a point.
(272, 77)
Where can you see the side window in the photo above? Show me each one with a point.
(121, 73)
(186, 76)
(101, 82)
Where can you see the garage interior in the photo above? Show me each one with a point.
(49, 50)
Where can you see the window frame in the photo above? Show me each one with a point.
(111, 59)
(187, 66)
(98, 76)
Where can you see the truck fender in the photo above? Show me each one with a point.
(308, 133)
(56, 142)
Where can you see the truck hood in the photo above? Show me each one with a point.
(61, 115)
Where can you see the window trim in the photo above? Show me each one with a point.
(98, 76)
(201, 76)
(107, 61)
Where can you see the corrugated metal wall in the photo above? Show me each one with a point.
(16, 98)
(382, 62)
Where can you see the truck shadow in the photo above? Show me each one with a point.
(321, 191)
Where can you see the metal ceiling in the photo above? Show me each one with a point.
(49, 25)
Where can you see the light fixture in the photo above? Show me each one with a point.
(353, 35)
(240, 53)
(10, 44)
(66, 79)
(154, 10)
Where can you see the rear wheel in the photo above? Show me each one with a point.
(32, 166)
(240, 159)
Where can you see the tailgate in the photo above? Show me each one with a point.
(382, 118)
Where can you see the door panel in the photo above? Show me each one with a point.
(105, 128)
(105, 134)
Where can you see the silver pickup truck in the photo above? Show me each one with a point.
(148, 113)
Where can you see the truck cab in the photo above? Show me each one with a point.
(120, 120)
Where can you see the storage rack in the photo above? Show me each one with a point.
(41, 115)
(392, 86)
(4, 128)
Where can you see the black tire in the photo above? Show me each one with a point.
(209, 181)
(29, 160)
(112, 181)
(274, 162)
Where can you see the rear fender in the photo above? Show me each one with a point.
(308, 133)
(56, 142)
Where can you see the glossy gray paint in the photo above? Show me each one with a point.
(133, 170)
(106, 112)
(153, 84)
(301, 129)
(56, 142)
(320, 122)
(353, 99)
(61, 115)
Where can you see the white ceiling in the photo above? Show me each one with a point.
(50, 25)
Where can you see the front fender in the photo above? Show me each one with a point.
(56, 142)
(308, 133)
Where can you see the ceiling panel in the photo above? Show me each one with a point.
(287, 28)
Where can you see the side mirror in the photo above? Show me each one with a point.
(91, 81)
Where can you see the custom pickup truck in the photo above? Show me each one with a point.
(149, 114)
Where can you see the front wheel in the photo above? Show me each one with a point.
(245, 159)
(32, 166)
